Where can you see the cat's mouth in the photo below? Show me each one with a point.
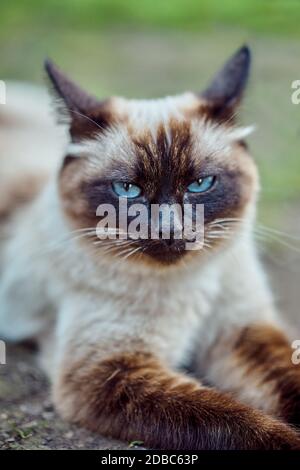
(165, 251)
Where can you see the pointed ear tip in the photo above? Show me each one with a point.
(48, 65)
(245, 51)
(51, 68)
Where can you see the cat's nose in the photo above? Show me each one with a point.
(168, 239)
(168, 223)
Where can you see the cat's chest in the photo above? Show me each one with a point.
(172, 317)
(167, 313)
(178, 325)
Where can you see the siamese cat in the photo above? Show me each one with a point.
(119, 319)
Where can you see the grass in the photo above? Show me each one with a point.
(276, 16)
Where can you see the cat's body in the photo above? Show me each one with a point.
(114, 331)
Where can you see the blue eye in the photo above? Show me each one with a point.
(128, 190)
(201, 185)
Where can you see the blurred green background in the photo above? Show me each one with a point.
(147, 48)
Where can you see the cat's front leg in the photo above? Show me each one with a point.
(255, 363)
(134, 396)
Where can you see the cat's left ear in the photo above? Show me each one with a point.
(86, 114)
(227, 87)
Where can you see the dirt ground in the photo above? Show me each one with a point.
(27, 418)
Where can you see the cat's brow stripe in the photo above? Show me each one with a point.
(168, 156)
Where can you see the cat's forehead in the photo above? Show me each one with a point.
(142, 113)
(172, 122)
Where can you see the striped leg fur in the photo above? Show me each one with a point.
(134, 397)
(255, 363)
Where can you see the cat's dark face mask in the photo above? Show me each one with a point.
(175, 159)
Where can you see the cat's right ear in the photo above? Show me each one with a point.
(85, 114)
(225, 91)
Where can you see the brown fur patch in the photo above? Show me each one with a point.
(94, 121)
(265, 352)
(74, 204)
(213, 112)
(165, 161)
(133, 396)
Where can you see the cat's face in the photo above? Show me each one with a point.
(179, 152)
